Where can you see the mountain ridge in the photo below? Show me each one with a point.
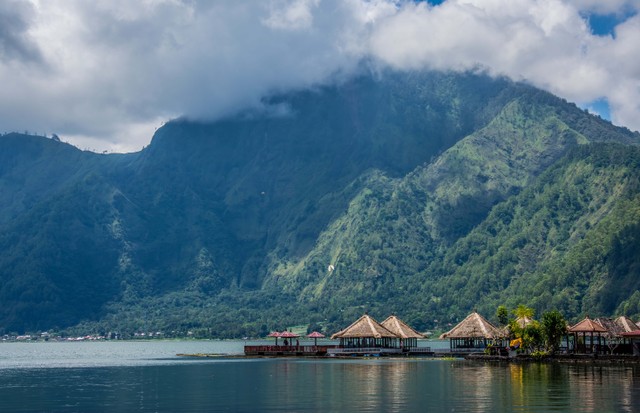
(377, 178)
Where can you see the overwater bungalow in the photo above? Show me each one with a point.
(366, 336)
(408, 336)
(587, 337)
(473, 334)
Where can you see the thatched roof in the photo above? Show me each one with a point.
(611, 327)
(364, 327)
(400, 328)
(587, 326)
(474, 326)
(522, 322)
(616, 327)
(627, 324)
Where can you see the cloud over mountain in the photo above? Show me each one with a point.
(106, 73)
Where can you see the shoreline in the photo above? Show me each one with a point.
(559, 358)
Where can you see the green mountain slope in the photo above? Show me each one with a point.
(33, 168)
(361, 195)
(565, 242)
(395, 227)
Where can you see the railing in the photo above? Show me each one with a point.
(363, 350)
(418, 350)
(460, 350)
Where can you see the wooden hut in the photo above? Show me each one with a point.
(614, 339)
(634, 341)
(366, 336)
(591, 332)
(473, 334)
(408, 336)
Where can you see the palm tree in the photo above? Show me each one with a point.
(522, 311)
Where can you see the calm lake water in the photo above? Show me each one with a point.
(148, 377)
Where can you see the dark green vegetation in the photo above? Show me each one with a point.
(423, 194)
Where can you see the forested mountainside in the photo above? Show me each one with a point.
(427, 194)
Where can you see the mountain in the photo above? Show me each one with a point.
(382, 192)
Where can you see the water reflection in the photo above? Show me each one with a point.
(550, 387)
(378, 385)
(365, 385)
(591, 387)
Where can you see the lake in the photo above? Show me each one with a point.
(149, 377)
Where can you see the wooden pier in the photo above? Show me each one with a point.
(290, 351)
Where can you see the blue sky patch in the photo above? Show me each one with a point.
(599, 107)
(431, 2)
(605, 24)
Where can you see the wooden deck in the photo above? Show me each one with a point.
(420, 351)
(291, 351)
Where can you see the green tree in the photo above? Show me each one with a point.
(532, 337)
(502, 314)
(554, 326)
(531, 334)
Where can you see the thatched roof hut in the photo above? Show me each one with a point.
(617, 336)
(474, 326)
(474, 332)
(366, 332)
(523, 322)
(408, 335)
(365, 326)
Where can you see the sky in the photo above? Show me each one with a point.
(105, 74)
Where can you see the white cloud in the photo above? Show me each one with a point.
(291, 15)
(106, 73)
(545, 42)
